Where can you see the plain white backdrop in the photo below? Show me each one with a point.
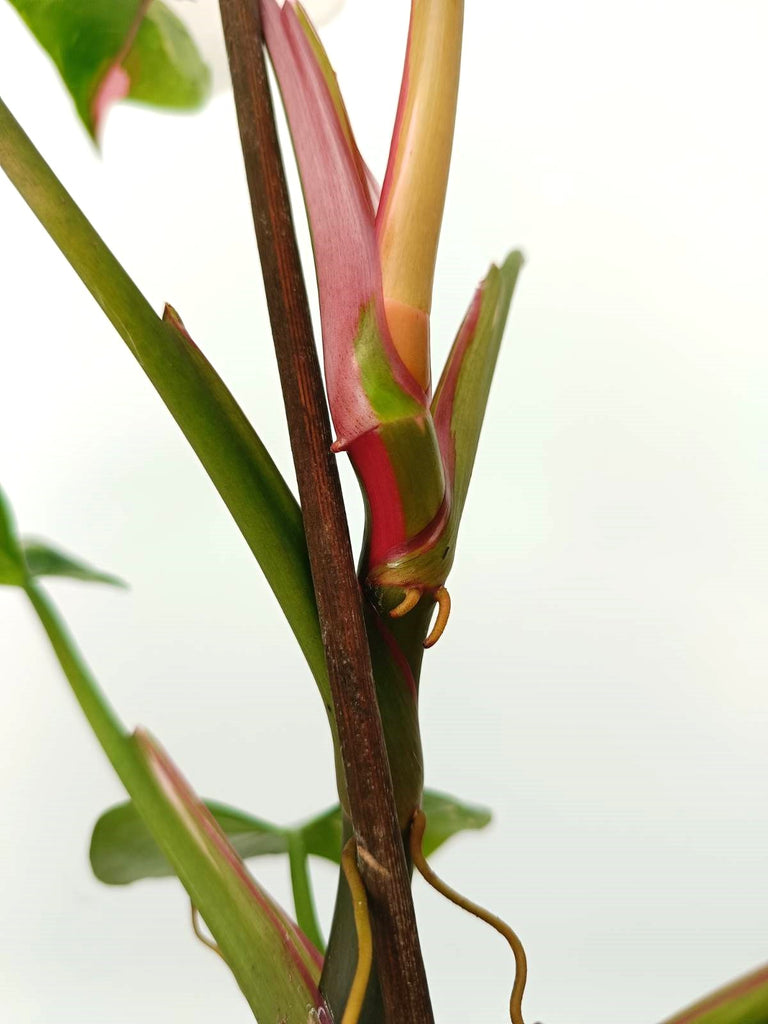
(602, 683)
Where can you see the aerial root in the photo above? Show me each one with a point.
(359, 896)
(418, 824)
(201, 934)
(411, 599)
(443, 599)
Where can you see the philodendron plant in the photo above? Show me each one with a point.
(363, 632)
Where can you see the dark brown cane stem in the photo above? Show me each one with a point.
(381, 857)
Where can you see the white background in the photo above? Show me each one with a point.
(602, 683)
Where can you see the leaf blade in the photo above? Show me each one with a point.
(122, 850)
(240, 467)
(43, 559)
(447, 816)
(90, 40)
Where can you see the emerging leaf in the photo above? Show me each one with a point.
(412, 199)
(107, 50)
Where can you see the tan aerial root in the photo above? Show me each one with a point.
(201, 934)
(418, 824)
(411, 599)
(443, 599)
(363, 929)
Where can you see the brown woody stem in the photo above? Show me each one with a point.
(381, 858)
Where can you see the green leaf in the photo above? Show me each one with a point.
(164, 64)
(44, 560)
(21, 561)
(446, 816)
(241, 469)
(12, 569)
(123, 850)
(744, 1001)
(156, 59)
(322, 835)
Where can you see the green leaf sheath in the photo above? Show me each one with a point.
(457, 411)
(241, 469)
(461, 396)
(273, 967)
(103, 721)
(86, 38)
(744, 1001)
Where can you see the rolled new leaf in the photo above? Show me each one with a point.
(413, 195)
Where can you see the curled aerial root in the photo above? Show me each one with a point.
(201, 934)
(411, 599)
(418, 824)
(443, 599)
(363, 929)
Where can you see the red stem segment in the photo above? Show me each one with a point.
(369, 785)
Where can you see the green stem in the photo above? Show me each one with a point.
(303, 899)
(103, 720)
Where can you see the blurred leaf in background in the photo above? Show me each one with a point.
(108, 50)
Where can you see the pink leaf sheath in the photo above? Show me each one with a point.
(300, 952)
(341, 222)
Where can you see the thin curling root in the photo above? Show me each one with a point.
(363, 929)
(201, 934)
(411, 599)
(443, 599)
(418, 824)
